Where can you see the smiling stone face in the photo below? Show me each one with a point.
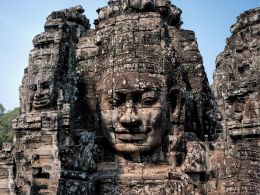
(43, 92)
(134, 111)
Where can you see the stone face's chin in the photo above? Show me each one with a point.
(127, 148)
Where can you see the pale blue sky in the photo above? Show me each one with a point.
(21, 20)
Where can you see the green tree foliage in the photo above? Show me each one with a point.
(2, 109)
(6, 131)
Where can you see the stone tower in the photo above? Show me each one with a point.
(47, 94)
(126, 108)
(237, 92)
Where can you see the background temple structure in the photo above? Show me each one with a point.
(126, 108)
(237, 93)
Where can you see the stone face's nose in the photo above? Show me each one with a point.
(129, 103)
(38, 94)
(130, 119)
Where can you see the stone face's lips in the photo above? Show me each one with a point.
(41, 102)
(131, 137)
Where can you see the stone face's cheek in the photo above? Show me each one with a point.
(107, 116)
(155, 114)
(116, 115)
(154, 125)
(108, 129)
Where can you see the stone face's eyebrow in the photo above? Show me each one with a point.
(134, 90)
(152, 88)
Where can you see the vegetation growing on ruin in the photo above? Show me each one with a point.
(6, 132)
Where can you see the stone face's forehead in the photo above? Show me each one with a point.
(41, 79)
(39, 74)
(132, 81)
(133, 42)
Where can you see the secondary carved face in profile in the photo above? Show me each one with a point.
(134, 111)
(42, 93)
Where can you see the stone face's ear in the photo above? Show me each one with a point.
(176, 102)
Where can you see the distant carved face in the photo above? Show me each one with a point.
(134, 111)
(42, 93)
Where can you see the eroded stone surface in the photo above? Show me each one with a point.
(6, 169)
(47, 96)
(142, 103)
(126, 108)
(236, 85)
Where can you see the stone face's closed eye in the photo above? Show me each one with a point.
(149, 98)
(33, 87)
(115, 100)
(45, 85)
(146, 98)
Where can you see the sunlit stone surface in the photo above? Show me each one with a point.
(125, 108)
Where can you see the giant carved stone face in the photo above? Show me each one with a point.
(134, 111)
(43, 93)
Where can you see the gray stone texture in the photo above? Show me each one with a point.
(126, 108)
(47, 96)
(6, 169)
(237, 92)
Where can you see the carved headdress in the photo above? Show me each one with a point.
(132, 36)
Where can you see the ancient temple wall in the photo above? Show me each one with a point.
(189, 56)
(124, 35)
(236, 86)
(47, 95)
(83, 131)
